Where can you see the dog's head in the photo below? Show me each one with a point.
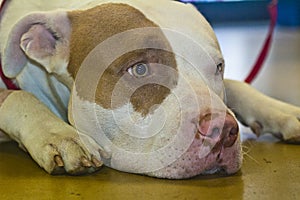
(146, 81)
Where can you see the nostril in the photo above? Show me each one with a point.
(234, 131)
(219, 129)
(232, 137)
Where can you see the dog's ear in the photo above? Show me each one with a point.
(39, 37)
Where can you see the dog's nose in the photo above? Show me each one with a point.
(221, 128)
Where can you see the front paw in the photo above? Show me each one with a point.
(282, 123)
(66, 153)
(291, 130)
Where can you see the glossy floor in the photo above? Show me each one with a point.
(270, 170)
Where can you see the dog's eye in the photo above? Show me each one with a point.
(220, 69)
(139, 70)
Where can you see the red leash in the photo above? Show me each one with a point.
(273, 11)
(8, 82)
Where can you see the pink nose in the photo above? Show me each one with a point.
(221, 129)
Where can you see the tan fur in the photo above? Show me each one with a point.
(91, 27)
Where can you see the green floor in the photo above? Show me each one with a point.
(270, 171)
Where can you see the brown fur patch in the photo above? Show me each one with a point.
(93, 26)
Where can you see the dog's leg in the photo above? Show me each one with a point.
(262, 113)
(52, 143)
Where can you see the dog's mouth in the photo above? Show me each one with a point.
(220, 160)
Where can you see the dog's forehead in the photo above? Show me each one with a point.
(145, 42)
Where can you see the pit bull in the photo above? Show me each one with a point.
(130, 84)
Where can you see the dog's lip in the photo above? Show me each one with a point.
(211, 164)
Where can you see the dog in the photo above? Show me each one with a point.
(130, 84)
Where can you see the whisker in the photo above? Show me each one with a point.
(251, 158)
(246, 149)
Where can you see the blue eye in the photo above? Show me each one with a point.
(139, 70)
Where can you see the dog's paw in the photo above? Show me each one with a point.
(283, 123)
(291, 130)
(60, 153)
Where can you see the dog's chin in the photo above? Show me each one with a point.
(221, 161)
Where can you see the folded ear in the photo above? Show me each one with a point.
(41, 37)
